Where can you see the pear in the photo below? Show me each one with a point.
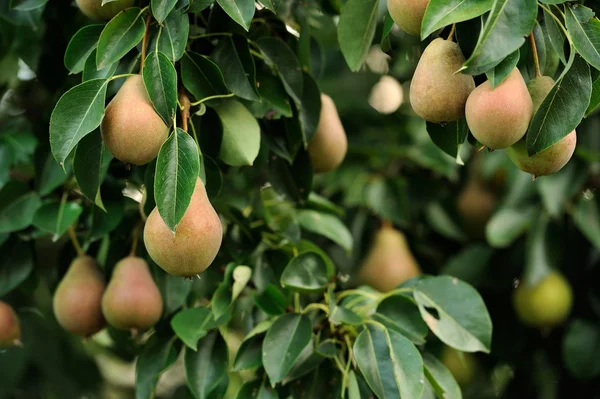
(553, 158)
(389, 262)
(499, 117)
(386, 96)
(10, 328)
(132, 299)
(475, 205)
(462, 365)
(132, 131)
(328, 147)
(77, 300)
(437, 92)
(94, 9)
(546, 304)
(196, 242)
(408, 14)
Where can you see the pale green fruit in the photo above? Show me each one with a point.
(10, 328)
(327, 149)
(408, 14)
(437, 92)
(462, 365)
(94, 9)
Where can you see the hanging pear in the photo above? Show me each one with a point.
(131, 129)
(437, 93)
(499, 117)
(327, 148)
(132, 299)
(196, 242)
(94, 9)
(10, 328)
(77, 300)
(389, 262)
(553, 158)
(408, 14)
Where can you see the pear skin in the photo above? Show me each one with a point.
(94, 9)
(499, 117)
(10, 328)
(475, 205)
(195, 244)
(389, 262)
(408, 14)
(132, 299)
(131, 129)
(327, 149)
(462, 365)
(437, 93)
(77, 300)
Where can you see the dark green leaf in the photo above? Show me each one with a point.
(587, 219)
(56, 217)
(173, 289)
(508, 224)
(271, 301)
(16, 264)
(471, 264)
(326, 225)
(580, 344)
(556, 36)
(91, 72)
(241, 11)
(90, 165)
(241, 134)
(310, 107)
(52, 176)
(17, 206)
(249, 355)
(173, 35)
(233, 57)
(119, 36)
(441, 13)
(449, 137)
(340, 315)
(201, 76)
(306, 272)
(160, 79)
(585, 33)
(280, 215)
(503, 69)
(162, 8)
(282, 58)
(440, 378)
(256, 390)
(223, 296)
(159, 354)
(192, 324)
(27, 5)
(400, 313)
(205, 368)
(81, 46)
(356, 30)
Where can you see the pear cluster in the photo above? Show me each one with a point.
(94, 9)
(327, 149)
(10, 327)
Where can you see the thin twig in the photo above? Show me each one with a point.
(205, 99)
(75, 241)
(135, 234)
(185, 108)
(536, 60)
(452, 30)
(144, 42)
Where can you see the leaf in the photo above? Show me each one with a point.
(160, 79)
(205, 368)
(16, 264)
(326, 225)
(17, 206)
(440, 378)
(271, 4)
(471, 264)
(585, 33)
(27, 5)
(340, 315)
(199, 5)
(256, 390)
(595, 96)
(173, 35)
(310, 109)
(78, 112)
(587, 220)
(279, 214)
(306, 272)
(563, 108)
(556, 36)
(81, 46)
(241, 11)
(441, 13)
(192, 324)
(295, 180)
(241, 277)
(56, 217)
(222, 297)
(119, 36)
(462, 320)
(233, 57)
(503, 69)
(507, 224)
(278, 55)
(90, 166)
(201, 76)
(162, 8)
(353, 388)
(400, 313)
(555, 190)
(52, 176)
(91, 72)
(356, 30)
(449, 137)
(177, 170)
(284, 342)
(580, 344)
(158, 354)
(271, 300)
(241, 134)
(249, 355)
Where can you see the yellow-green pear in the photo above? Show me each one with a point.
(77, 300)
(553, 158)
(499, 117)
(131, 129)
(10, 328)
(389, 262)
(132, 299)
(462, 365)
(546, 304)
(408, 14)
(196, 242)
(437, 92)
(94, 9)
(328, 146)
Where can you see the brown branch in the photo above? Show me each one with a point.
(536, 60)
(185, 108)
(144, 43)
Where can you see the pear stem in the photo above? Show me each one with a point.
(536, 60)
(452, 31)
(75, 241)
(185, 109)
(385, 223)
(144, 42)
(135, 234)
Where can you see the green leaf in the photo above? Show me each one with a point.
(580, 344)
(449, 137)
(272, 5)
(295, 180)
(199, 5)
(440, 378)
(192, 324)
(279, 56)
(455, 313)
(400, 313)
(503, 69)
(78, 112)
(471, 264)
(284, 342)
(241, 134)
(16, 264)
(205, 368)
(353, 388)
(173, 35)
(249, 355)
(326, 225)
(177, 170)
(563, 108)
(308, 361)
(158, 354)
(162, 8)
(340, 314)
(306, 272)
(256, 390)
(52, 176)
(585, 33)
(356, 30)
(555, 36)
(56, 217)
(201, 76)
(310, 108)
(271, 300)
(91, 72)
(555, 190)
(90, 166)
(27, 5)
(279, 214)
(507, 224)
(233, 57)
(17, 206)
(173, 289)
(160, 79)
(441, 13)
(595, 96)
(587, 219)
(223, 296)
(81, 46)
(104, 222)
(241, 11)
(119, 36)
(539, 259)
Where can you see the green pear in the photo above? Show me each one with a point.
(94, 9)
(193, 247)
(132, 299)
(10, 328)
(499, 117)
(408, 14)
(437, 92)
(462, 365)
(131, 129)
(328, 146)
(77, 300)
(389, 262)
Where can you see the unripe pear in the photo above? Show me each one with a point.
(499, 117)
(408, 14)
(546, 304)
(389, 262)
(10, 328)
(387, 95)
(131, 129)
(77, 300)
(196, 242)
(462, 365)
(437, 92)
(132, 299)
(475, 205)
(94, 9)
(328, 146)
